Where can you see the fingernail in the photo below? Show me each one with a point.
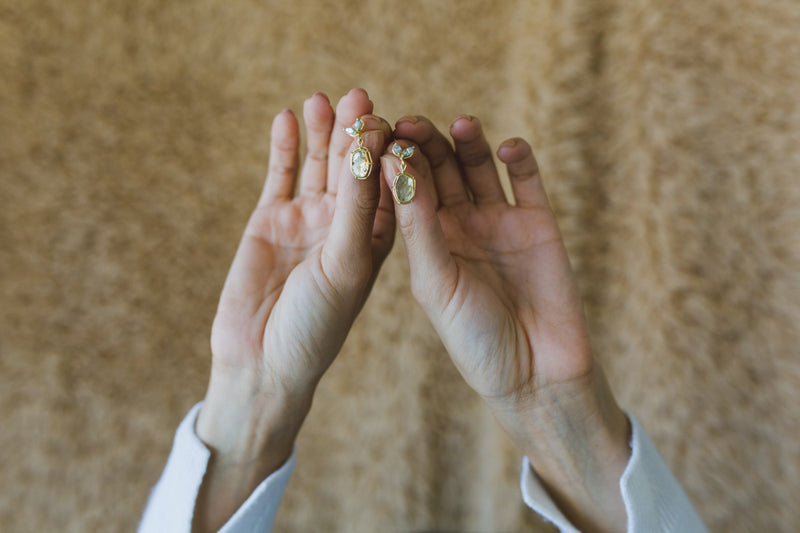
(510, 143)
(465, 117)
(410, 119)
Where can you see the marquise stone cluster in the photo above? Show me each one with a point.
(402, 154)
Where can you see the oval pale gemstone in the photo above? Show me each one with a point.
(404, 187)
(360, 163)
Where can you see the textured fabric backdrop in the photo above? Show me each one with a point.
(133, 142)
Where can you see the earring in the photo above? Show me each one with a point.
(405, 185)
(360, 158)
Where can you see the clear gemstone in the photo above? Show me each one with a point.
(358, 125)
(350, 131)
(396, 150)
(404, 187)
(360, 163)
(408, 152)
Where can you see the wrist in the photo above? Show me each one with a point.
(577, 440)
(250, 428)
(245, 420)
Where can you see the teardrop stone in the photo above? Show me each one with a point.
(360, 163)
(404, 187)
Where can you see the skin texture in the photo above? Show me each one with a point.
(302, 272)
(495, 281)
(492, 276)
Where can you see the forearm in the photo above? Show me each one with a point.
(251, 432)
(577, 441)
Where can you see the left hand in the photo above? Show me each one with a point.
(304, 268)
(306, 262)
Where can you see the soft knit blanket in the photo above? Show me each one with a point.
(133, 142)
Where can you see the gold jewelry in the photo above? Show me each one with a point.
(360, 158)
(405, 185)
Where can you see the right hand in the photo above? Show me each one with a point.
(495, 280)
(493, 277)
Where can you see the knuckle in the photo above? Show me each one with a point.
(320, 156)
(525, 171)
(281, 168)
(345, 275)
(285, 145)
(406, 225)
(409, 229)
(437, 152)
(319, 127)
(364, 203)
(472, 159)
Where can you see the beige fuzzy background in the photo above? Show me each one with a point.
(133, 141)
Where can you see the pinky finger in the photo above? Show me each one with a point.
(523, 172)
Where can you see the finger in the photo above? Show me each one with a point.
(282, 159)
(347, 254)
(523, 171)
(352, 105)
(475, 157)
(318, 117)
(441, 157)
(383, 230)
(433, 271)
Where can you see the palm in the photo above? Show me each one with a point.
(281, 237)
(278, 238)
(283, 244)
(503, 298)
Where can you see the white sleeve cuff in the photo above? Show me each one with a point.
(172, 500)
(653, 498)
(536, 497)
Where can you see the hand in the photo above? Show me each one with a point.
(306, 263)
(496, 283)
(302, 272)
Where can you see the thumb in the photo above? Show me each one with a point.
(348, 249)
(433, 271)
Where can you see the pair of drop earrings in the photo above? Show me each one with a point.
(404, 186)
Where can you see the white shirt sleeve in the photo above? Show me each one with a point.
(172, 500)
(653, 498)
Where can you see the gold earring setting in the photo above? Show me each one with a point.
(360, 158)
(405, 185)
